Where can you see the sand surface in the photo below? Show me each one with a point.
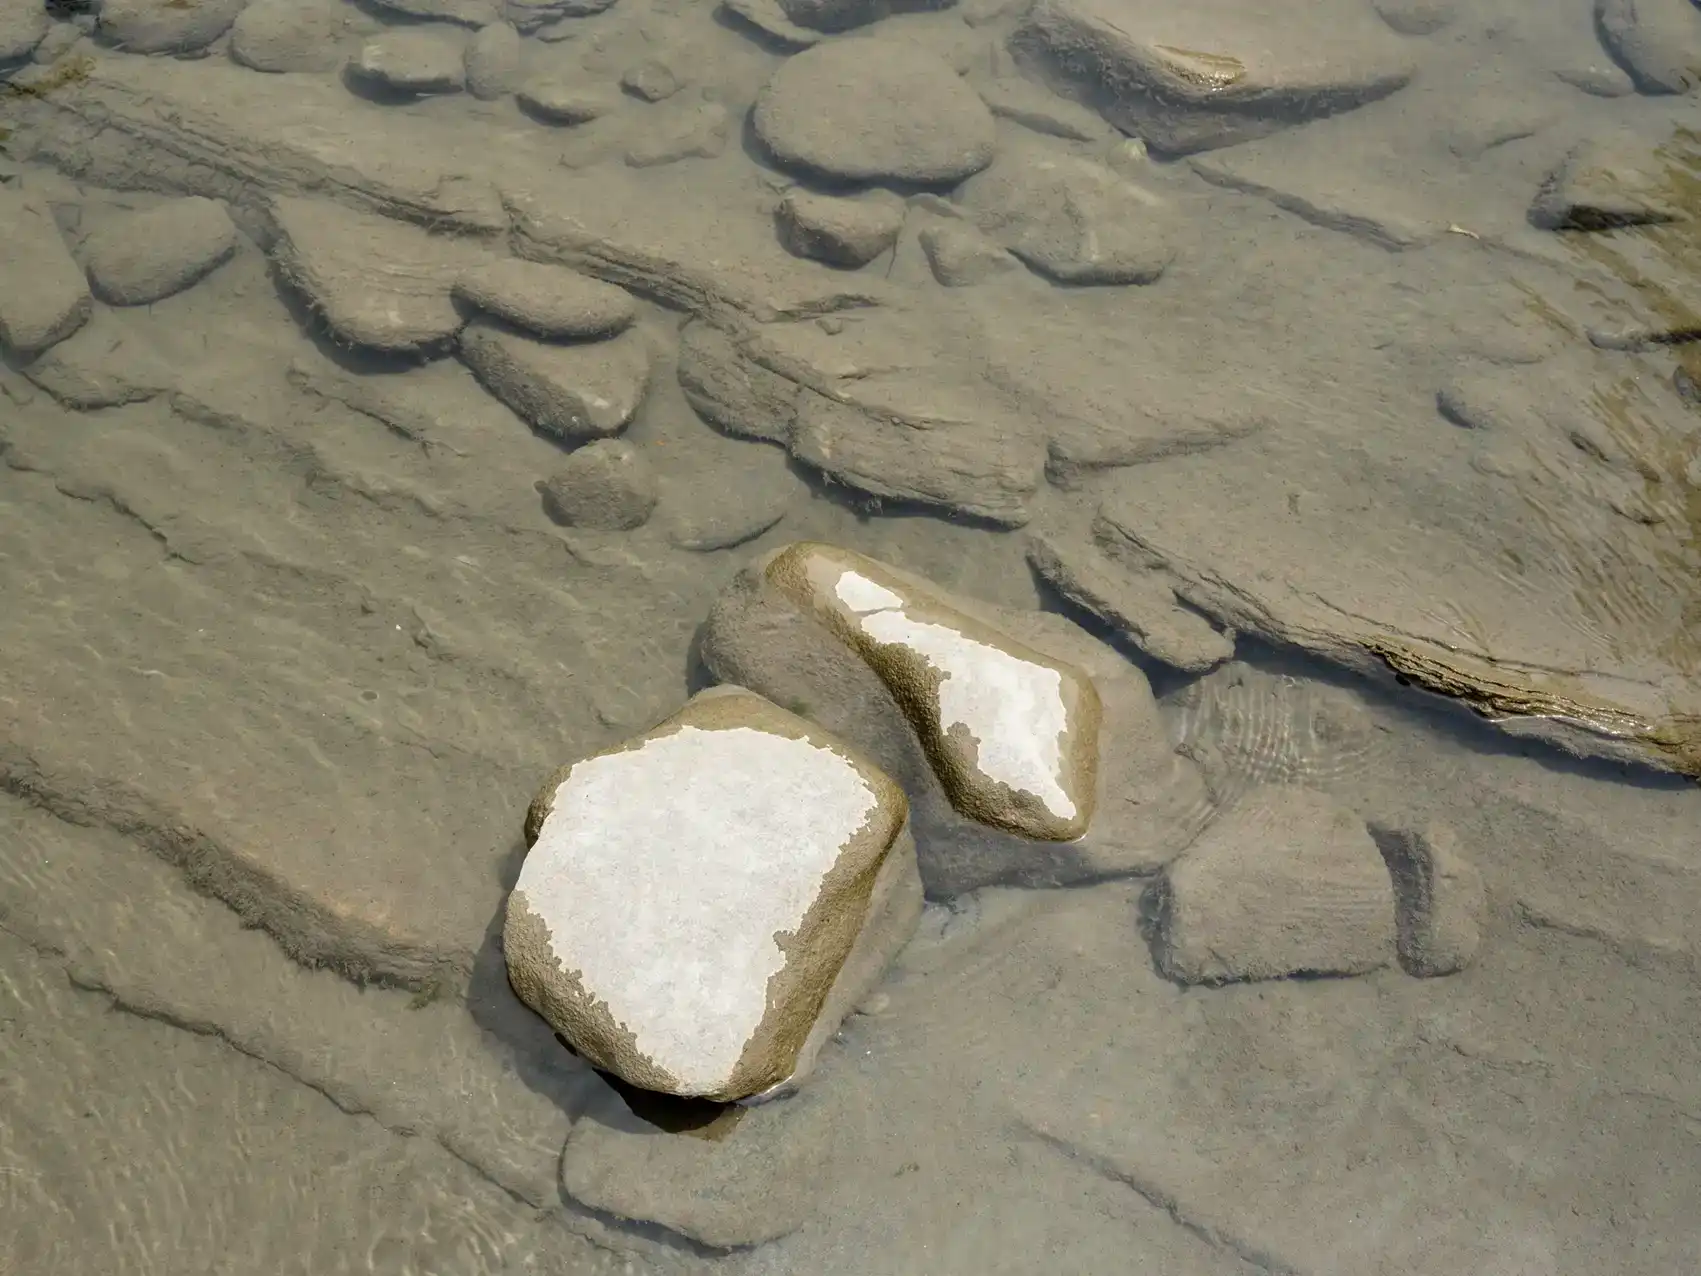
(1371, 356)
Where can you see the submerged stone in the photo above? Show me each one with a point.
(1214, 72)
(292, 35)
(572, 392)
(376, 282)
(1442, 901)
(848, 233)
(874, 111)
(43, 295)
(147, 256)
(1286, 882)
(412, 61)
(166, 26)
(605, 486)
(547, 301)
(1657, 41)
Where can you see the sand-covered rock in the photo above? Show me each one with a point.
(880, 112)
(545, 300)
(768, 18)
(961, 255)
(700, 907)
(24, 24)
(839, 231)
(1145, 803)
(1657, 41)
(725, 503)
(604, 486)
(60, 39)
(1072, 219)
(832, 16)
(1213, 72)
(681, 130)
(375, 282)
(963, 463)
(1442, 903)
(1021, 101)
(166, 26)
(733, 394)
(872, 405)
(43, 296)
(572, 392)
(1285, 882)
(1592, 661)
(1606, 184)
(147, 256)
(292, 35)
(1372, 197)
(652, 80)
(414, 61)
(742, 1178)
(1138, 607)
(493, 62)
(557, 99)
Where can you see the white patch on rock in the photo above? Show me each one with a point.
(1014, 708)
(682, 957)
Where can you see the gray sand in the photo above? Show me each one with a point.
(1341, 376)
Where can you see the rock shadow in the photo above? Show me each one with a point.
(541, 1059)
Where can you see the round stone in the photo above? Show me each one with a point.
(870, 110)
(605, 486)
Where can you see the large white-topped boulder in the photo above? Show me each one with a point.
(702, 906)
(1031, 753)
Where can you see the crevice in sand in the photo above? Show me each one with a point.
(1245, 1250)
(314, 939)
(111, 499)
(646, 1232)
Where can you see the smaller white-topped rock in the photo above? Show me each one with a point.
(1012, 732)
(701, 906)
(789, 635)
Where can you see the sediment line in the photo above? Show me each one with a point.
(309, 933)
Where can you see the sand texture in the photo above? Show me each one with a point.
(396, 395)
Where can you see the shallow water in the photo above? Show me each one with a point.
(1360, 416)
